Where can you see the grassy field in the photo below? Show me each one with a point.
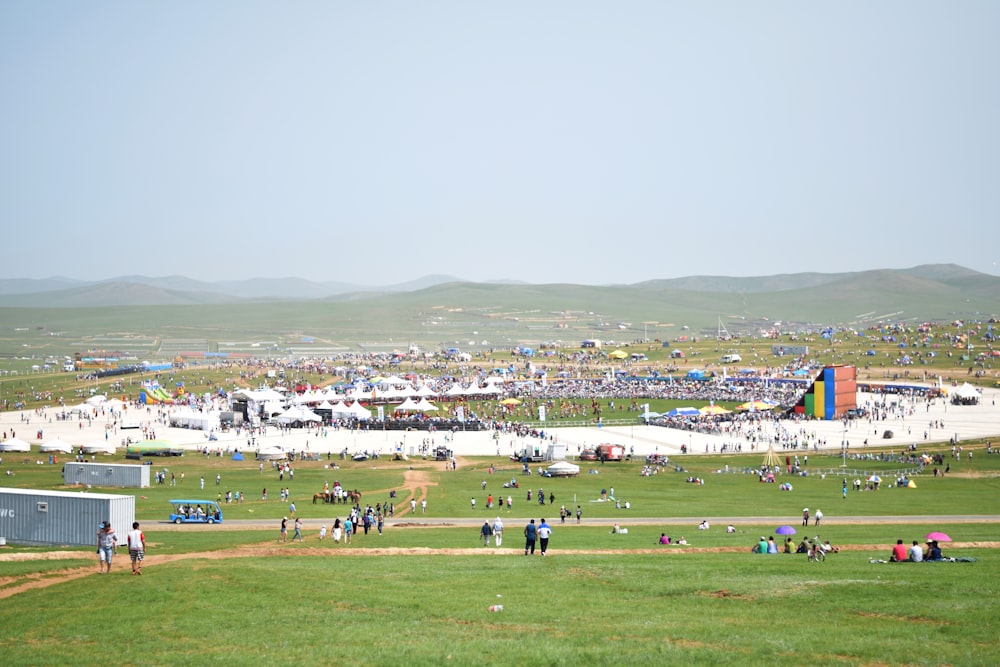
(421, 594)
(969, 489)
(562, 610)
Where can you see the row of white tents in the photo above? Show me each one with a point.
(300, 413)
(57, 446)
(388, 390)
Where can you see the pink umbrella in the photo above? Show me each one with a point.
(938, 537)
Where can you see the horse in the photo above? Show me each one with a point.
(354, 496)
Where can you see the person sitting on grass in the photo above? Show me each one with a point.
(664, 539)
(899, 554)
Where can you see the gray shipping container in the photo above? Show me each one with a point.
(62, 517)
(125, 475)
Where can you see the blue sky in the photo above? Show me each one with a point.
(564, 141)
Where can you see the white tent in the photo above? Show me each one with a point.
(99, 447)
(966, 393)
(204, 421)
(563, 469)
(340, 411)
(297, 414)
(359, 411)
(96, 400)
(14, 445)
(275, 453)
(56, 446)
(393, 381)
(425, 391)
(423, 405)
(455, 390)
(491, 387)
(407, 406)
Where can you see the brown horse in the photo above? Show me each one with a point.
(319, 496)
(354, 496)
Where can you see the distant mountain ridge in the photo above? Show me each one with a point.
(942, 288)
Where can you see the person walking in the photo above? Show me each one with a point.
(283, 537)
(107, 541)
(298, 530)
(816, 519)
(530, 535)
(544, 531)
(486, 532)
(805, 516)
(579, 513)
(498, 531)
(136, 547)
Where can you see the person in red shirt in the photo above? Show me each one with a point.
(898, 552)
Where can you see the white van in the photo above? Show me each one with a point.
(731, 358)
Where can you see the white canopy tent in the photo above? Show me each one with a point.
(423, 405)
(359, 411)
(563, 469)
(99, 447)
(204, 421)
(14, 445)
(56, 446)
(407, 406)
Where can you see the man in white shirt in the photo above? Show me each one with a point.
(544, 531)
(136, 547)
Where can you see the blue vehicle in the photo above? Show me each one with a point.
(195, 511)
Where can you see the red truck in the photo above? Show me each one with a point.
(608, 452)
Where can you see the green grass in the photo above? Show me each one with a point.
(598, 598)
(563, 610)
(664, 495)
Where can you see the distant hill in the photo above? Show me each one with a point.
(443, 306)
(163, 290)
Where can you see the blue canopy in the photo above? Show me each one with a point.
(683, 412)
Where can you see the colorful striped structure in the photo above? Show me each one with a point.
(832, 394)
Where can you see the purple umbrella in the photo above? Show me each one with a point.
(785, 530)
